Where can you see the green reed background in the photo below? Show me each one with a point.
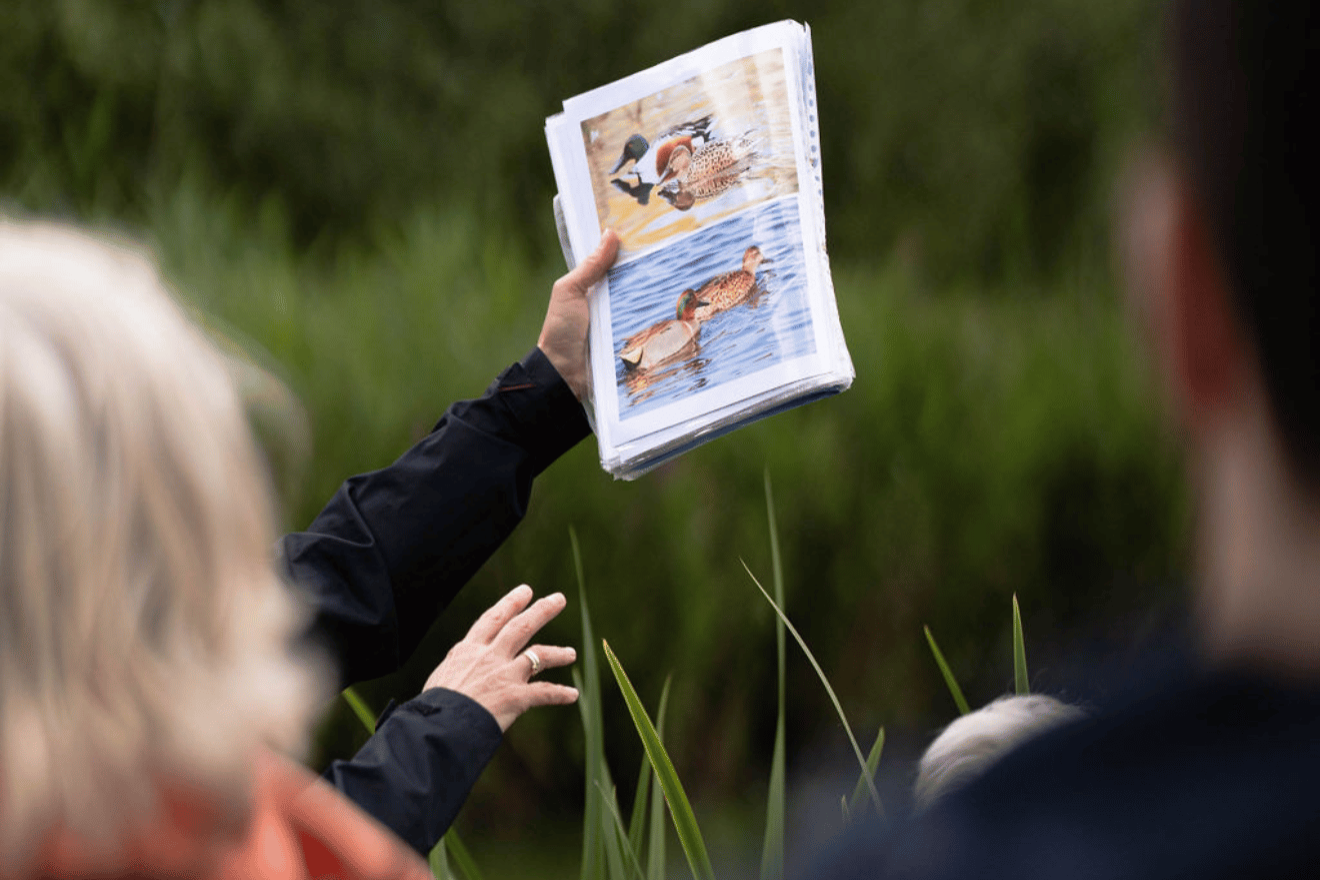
(358, 193)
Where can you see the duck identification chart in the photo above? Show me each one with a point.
(720, 308)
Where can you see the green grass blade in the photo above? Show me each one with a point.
(772, 851)
(777, 575)
(685, 822)
(655, 847)
(626, 847)
(637, 822)
(360, 709)
(1020, 680)
(609, 833)
(583, 710)
(847, 814)
(949, 680)
(593, 863)
(637, 819)
(834, 698)
(439, 862)
(856, 804)
(462, 855)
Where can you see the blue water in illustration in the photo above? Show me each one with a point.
(775, 327)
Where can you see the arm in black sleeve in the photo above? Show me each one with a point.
(394, 546)
(415, 773)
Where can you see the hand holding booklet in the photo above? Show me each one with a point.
(720, 308)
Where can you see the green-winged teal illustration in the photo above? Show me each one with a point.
(663, 342)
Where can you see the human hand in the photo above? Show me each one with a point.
(564, 333)
(491, 666)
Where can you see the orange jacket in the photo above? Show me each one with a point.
(299, 828)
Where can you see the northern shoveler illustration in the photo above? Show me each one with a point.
(650, 160)
(666, 340)
(723, 292)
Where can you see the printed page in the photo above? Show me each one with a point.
(720, 305)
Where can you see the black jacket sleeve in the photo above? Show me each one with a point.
(390, 551)
(394, 546)
(417, 770)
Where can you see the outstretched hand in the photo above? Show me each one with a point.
(493, 664)
(564, 333)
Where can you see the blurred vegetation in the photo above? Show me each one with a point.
(980, 136)
(359, 191)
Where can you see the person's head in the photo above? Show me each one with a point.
(967, 747)
(1245, 77)
(145, 641)
(1221, 252)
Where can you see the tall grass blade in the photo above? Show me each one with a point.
(856, 804)
(588, 685)
(455, 847)
(360, 709)
(637, 823)
(608, 859)
(612, 801)
(642, 797)
(609, 833)
(834, 698)
(1020, 679)
(772, 851)
(949, 680)
(655, 847)
(439, 862)
(685, 822)
(843, 806)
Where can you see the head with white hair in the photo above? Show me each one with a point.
(973, 742)
(145, 641)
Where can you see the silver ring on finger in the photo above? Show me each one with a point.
(536, 661)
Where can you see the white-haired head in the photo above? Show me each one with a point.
(144, 637)
(968, 746)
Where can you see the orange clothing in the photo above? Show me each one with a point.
(299, 828)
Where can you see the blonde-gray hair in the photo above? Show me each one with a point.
(144, 636)
(967, 747)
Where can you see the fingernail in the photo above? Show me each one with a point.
(572, 652)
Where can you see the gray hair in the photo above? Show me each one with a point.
(968, 746)
(144, 636)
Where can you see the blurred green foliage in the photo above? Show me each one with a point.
(979, 136)
(361, 191)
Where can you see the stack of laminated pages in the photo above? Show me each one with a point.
(720, 309)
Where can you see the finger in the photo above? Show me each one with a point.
(519, 631)
(494, 619)
(547, 693)
(593, 268)
(549, 656)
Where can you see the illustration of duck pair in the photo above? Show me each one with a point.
(708, 172)
(650, 160)
(665, 341)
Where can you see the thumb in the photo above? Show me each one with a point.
(591, 270)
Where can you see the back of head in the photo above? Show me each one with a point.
(144, 638)
(973, 742)
(1245, 78)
